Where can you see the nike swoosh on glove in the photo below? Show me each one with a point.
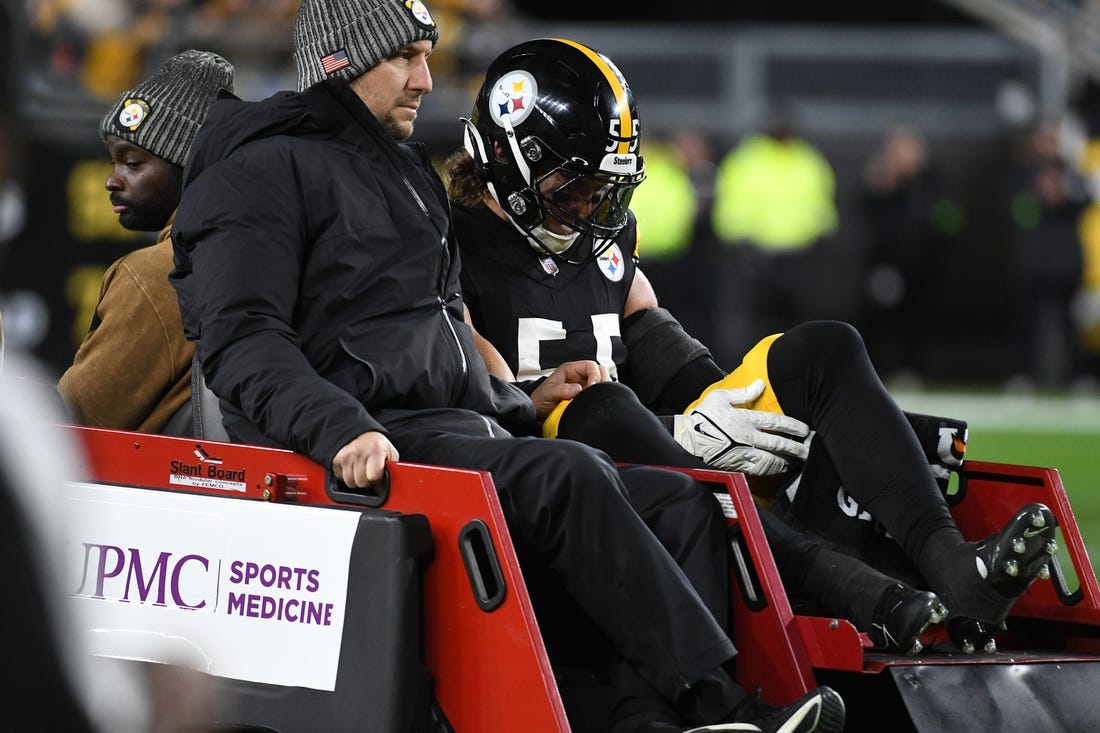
(732, 438)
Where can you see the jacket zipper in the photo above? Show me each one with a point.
(458, 345)
(442, 299)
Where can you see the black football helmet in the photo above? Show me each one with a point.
(567, 125)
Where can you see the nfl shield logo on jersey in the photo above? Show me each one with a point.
(611, 263)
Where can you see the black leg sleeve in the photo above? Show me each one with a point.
(609, 416)
(822, 375)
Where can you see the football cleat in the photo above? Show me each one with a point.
(902, 615)
(1007, 561)
(1010, 559)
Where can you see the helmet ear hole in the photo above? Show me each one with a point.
(531, 150)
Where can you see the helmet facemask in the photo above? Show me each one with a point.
(588, 203)
(534, 185)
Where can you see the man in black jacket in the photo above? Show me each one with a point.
(317, 272)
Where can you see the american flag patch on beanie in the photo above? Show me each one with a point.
(335, 61)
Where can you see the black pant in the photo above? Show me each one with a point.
(865, 447)
(822, 375)
(640, 550)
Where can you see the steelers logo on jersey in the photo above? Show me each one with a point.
(513, 97)
(611, 263)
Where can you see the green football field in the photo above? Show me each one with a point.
(1053, 432)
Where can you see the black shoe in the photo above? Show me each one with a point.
(818, 711)
(968, 634)
(902, 615)
(1007, 561)
(657, 726)
(1015, 556)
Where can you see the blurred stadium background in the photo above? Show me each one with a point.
(972, 75)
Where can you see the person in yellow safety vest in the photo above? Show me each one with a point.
(667, 205)
(1087, 306)
(775, 191)
(774, 202)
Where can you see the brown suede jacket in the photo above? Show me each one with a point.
(133, 369)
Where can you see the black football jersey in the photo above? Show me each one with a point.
(539, 311)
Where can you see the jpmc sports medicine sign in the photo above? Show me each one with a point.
(241, 589)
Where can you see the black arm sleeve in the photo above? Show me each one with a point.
(687, 384)
(668, 368)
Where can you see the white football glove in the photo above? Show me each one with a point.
(732, 438)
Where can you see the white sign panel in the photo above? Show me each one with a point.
(248, 590)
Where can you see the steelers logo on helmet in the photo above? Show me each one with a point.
(133, 113)
(611, 263)
(513, 97)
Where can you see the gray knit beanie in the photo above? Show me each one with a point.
(163, 113)
(344, 38)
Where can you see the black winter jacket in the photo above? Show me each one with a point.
(316, 269)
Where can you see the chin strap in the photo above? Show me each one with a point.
(475, 146)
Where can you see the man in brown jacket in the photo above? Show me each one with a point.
(133, 369)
